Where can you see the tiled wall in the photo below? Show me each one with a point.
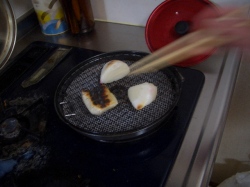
(134, 12)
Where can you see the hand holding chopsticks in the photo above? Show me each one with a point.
(198, 42)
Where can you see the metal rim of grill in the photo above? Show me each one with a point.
(122, 122)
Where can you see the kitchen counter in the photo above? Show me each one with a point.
(195, 160)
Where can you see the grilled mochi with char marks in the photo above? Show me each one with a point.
(99, 100)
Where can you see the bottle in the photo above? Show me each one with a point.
(50, 16)
(79, 15)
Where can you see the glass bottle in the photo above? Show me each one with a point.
(79, 15)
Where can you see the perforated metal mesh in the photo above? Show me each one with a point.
(123, 118)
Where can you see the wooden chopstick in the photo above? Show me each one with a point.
(185, 48)
(182, 53)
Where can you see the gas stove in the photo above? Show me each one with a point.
(38, 149)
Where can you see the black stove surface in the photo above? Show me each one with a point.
(43, 151)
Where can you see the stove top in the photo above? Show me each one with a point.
(38, 149)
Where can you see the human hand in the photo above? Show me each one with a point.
(229, 23)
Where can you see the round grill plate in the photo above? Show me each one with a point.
(123, 120)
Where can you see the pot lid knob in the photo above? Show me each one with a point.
(182, 27)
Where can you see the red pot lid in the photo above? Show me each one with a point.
(171, 20)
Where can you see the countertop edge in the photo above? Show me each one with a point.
(202, 160)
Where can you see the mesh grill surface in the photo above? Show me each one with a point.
(123, 118)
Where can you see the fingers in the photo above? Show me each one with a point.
(226, 23)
